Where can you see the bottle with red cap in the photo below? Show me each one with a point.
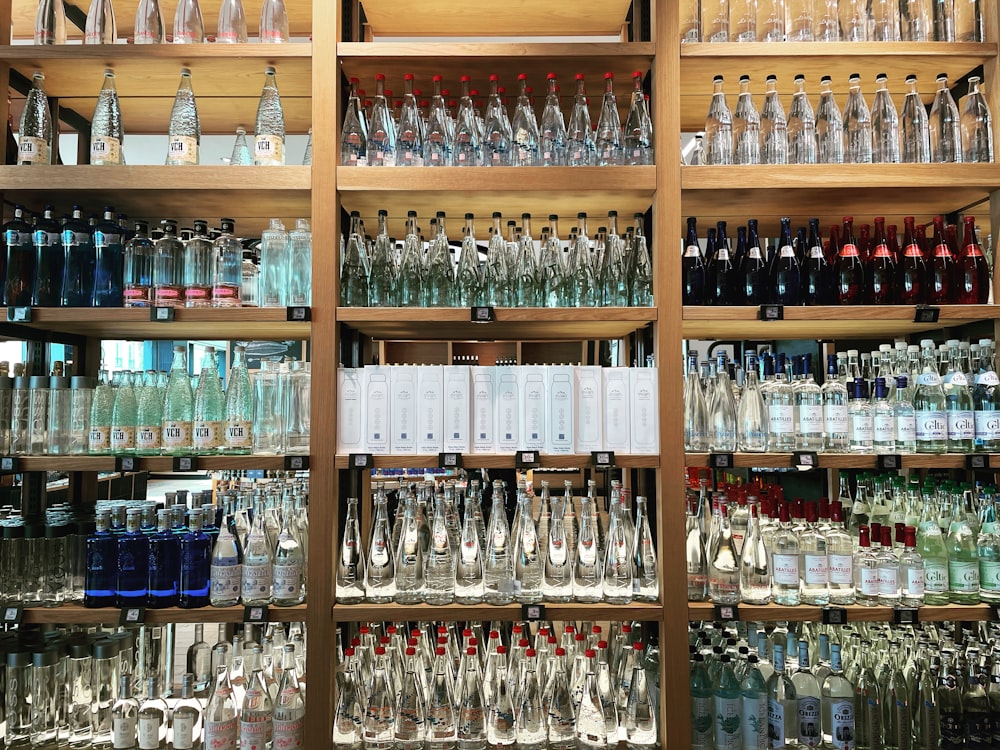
(501, 729)
(552, 133)
(438, 136)
(848, 270)
(442, 724)
(592, 715)
(381, 150)
(941, 282)
(866, 570)
(472, 708)
(497, 135)
(888, 570)
(638, 136)
(580, 146)
(410, 139)
(972, 271)
(561, 720)
(411, 716)
(468, 148)
(608, 137)
(524, 128)
(911, 571)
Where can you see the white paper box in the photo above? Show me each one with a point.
(484, 409)
(616, 409)
(430, 409)
(508, 400)
(533, 408)
(457, 404)
(350, 411)
(561, 408)
(403, 398)
(378, 416)
(644, 398)
(589, 409)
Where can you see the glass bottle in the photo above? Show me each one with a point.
(722, 435)
(720, 272)
(381, 145)
(258, 562)
(124, 716)
(941, 268)
(148, 28)
(884, 124)
(35, 131)
(80, 259)
(524, 128)
(241, 156)
(100, 27)
(692, 267)
(786, 273)
(976, 126)
(829, 126)
(580, 146)
(164, 564)
(618, 570)
(273, 22)
(746, 126)
(773, 126)
(168, 267)
(354, 131)
(410, 135)
(912, 268)
(963, 558)
(133, 559)
(638, 134)
(354, 269)
(755, 567)
(178, 407)
(439, 565)
(715, 20)
(802, 134)
(930, 406)
(751, 415)
(50, 23)
(857, 125)
(269, 128)
(971, 269)
(944, 125)
(468, 277)
(849, 271)
(949, 700)
(728, 700)
(608, 135)
(719, 127)
(772, 26)
(808, 695)
(782, 703)
(49, 260)
(911, 571)
(723, 562)
(410, 558)
(837, 703)
(226, 571)
(102, 558)
(186, 718)
(188, 25)
(221, 715)
(914, 127)
(256, 710)
(195, 564)
(232, 25)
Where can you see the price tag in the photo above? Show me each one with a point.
(482, 314)
(125, 463)
(161, 314)
(532, 612)
(977, 461)
(889, 462)
(602, 459)
(8, 463)
(834, 616)
(805, 460)
(526, 460)
(298, 314)
(725, 612)
(360, 461)
(721, 461)
(905, 616)
(132, 616)
(296, 463)
(18, 314)
(255, 614)
(12, 614)
(450, 460)
(185, 463)
(923, 314)
(771, 312)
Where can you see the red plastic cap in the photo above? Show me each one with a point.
(470, 652)
(560, 651)
(355, 641)
(380, 76)
(579, 637)
(543, 631)
(494, 634)
(522, 76)
(637, 74)
(552, 639)
(569, 629)
(391, 630)
(407, 76)
(597, 630)
(608, 75)
(411, 641)
(364, 630)
(442, 639)
(435, 79)
(551, 76)
(501, 649)
(466, 632)
(473, 641)
(530, 653)
(523, 643)
(579, 76)
(384, 639)
(410, 651)
(355, 80)
(348, 651)
(379, 650)
(590, 653)
(626, 628)
(494, 77)
(415, 632)
(442, 630)
(439, 651)
(517, 629)
(602, 645)
(465, 79)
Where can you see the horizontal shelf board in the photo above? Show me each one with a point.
(250, 195)
(263, 324)
(846, 322)
(217, 70)
(841, 460)
(855, 613)
(147, 463)
(516, 18)
(465, 612)
(700, 63)
(75, 614)
(554, 324)
(299, 17)
(505, 461)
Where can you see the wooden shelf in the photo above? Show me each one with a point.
(700, 63)
(494, 461)
(855, 613)
(521, 324)
(540, 191)
(841, 460)
(516, 18)
(250, 195)
(831, 191)
(645, 611)
(75, 614)
(262, 324)
(148, 463)
(825, 323)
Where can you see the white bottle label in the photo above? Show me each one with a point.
(269, 150)
(256, 582)
(935, 577)
(906, 428)
(963, 576)
(182, 149)
(225, 581)
(287, 735)
(123, 732)
(776, 724)
(221, 735)
(961, 425)
(781, 419)
(914, 581)
(835, 419)
(888, 581)
(727, 723)
(929, 377)
(755, 723)
(957, 378)
(987, 425)
(176, 434)
(862, 429)
(842, 724)
(885, 428)
(287, 581)
(32, 150)
(786, 569)
(702, 721)
(931, 425)
(149, 732)
(988, 379)
(869, 582)
(255, 735)
(989, 575)
(239, 433)
(183, 727)
(810, 419)
(841, 569)
(810, 731)
(105, 150)
(816, 571)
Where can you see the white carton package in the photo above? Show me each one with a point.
(589, 409)
(508, 412)
(561, 407)
(484, 409)
(617, 435)
(430, 409)
(533, 408)
(403, 398)
(350, 411)
(377, 409)
(644, 417)
(457, 405)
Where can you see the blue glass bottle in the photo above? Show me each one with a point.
(196, 563)
(109, 261)
(133, 562)
(49, 260)
(164, 564)
(80, 258)
(20, 260)
(754, 283)
(100, 581)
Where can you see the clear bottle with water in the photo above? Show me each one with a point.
(977, 126)
(107, 135)
(273, 265)
(915, 140)
(241, 156)
(148, 27)
(945, 125)
(269, 129)
(228, 260)
(184, 131)
(35, 132)
(273, 22)
(300, 265)
(189, 28)
(178, 407)
(885, 125)
(50, 22)
(802, 140)
(829, 125)
(101, 27)
(232, 25)
(857, 125)
(773, 126)
(718, 141)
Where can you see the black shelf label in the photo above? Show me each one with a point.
(126, 463)
(482, 314)
(255, 613)
(889, 462)
(532, 612)
(977, 461)
(834, 616)
(721, 461)
(925, 314)
(18, 314)
(8, 464)
(449, 460)
(724, 612)
(805, 460)
(360, 461)
(132, 616)
(526, 460)
(602, 459)
(161, 314)
(905, 616)
(12, 614)
(771, 312)
(185, 463)
(296, 463)
(298, 314)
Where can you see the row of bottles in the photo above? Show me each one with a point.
(431, 552)
(868, 685)
(831, 21)
(900, 544)
(107, 138)
(918, 399)
(858, 135)
(874, 266)
(188, 26)
(612, 270)
(544, 690)
(418, 133)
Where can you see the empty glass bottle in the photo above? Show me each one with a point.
(857, 125)
(35, 132)
(269, 129)
(746, 126)
(829, 125)
(914, 127)
(719, 128)
(100, 28)
(273, 22)
(232, 26)
(50, 22)
(106, 133)
(976, 125)
(945, 125)
(188, 25)
(148, 27)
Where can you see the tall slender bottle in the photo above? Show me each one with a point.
(273, 28)
(269, 129)
(80, 259)
(232, 25)
(226, 567)
(49, 260)
(178, 407)
(289, 582)
(786, 274)
(773, 126)
(257, 709)
(209, 407)
(942, 267)
(911, 284)
(184, 131)
(857, 125)
(692, 267)
(607, 136)
(829, 125)
(782, 703)
(124, 416)
(944, 124)
(107, 135)
(849, 271)
(50, 23)
(972, 272)
(258, 562)
(100, 27)
(273, 265)
(148, 27)
(719, 127)
(189, 28)
(35, 132)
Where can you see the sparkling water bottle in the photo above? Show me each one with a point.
(608, 136)
(857, 125)
(178, 407)
(35, 133)
(885, 125)
(580, 148)
(269, 130)
(106, 133)
(149, 416)
(239, 407)
(184, 131)
(241, 156)
(208, 423)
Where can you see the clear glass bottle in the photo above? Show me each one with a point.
(829, 126)
(837, 703)
(803, 141)
(257, 708)
(914, 127)
(439, 565)
(232, 25)
(718, 140)
(638, 133)
(755, 567)
(963, 557)
(647, 586)
(269, 127)
(258, 563)
(524, 128)
(50, 23)
(885, 125)
(381, 145)
(580, 146)
(773, 126)
(976, 126)
(226, 566)
(929, 405)
(857, 125)
(608, 135)
(273, 22)
(410, 559)
(814, 561)
(944, 125)
(723, 561)
(782, 702)
(100, 27)
(107, 135)
(35, 132)
(751, 414)
(241, 156)
(124, 716)
(189, 28)
(274, 265)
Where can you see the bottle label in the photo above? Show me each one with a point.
(816, 251)
(915, 582)
(786, 569)
(103, 239)
(105, 150)
(144, 36)
(869, 582)
(182, 149)
(942, 250)
(755, 722)
(987, 425)
(99, 439)
(913, 251)
(906, 428)
(888, 581)
(122, 439)
(123, 731)
(961, 425)
(816, 571)
(287, 581)
(255, 735)
(882, 251)
(842, 724)
(183, 728)
(810, 419)
(147, 437)
(862, 428)
(989, 378)
(810, 731)
(206, 435)
(989, 575)
(176, 434)
(928, 377)
(166, 296)
(963, 577)
(781, 419)
(952, 731)
(787, 251)
(885, 428)
(835, 419)
(149, 732)
(222, 292)
(692, 251)
(956, 378)
(32, 150)
(775, 724)
(287, 735)
(256, 583)
(849, 250)
(702, 721)
(727, 723)
(935, 577)
(841, 569)
(269, 149)
(225, 580)
(931, 426)
(239, 433)
(221, 735)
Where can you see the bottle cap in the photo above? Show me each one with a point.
(590, 653)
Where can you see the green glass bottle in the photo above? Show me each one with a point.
(469, 279)
(410, 279)
(238, 414)
(702, 706)
(383, 290)
(354, 267)
(178, 407)
(439, 280)
(963, 557)
(149, 416)
(988, 545)
(929, 405)
(99, 441)
(931, 546)
(753, 691)
(123, 415)
(209, 406)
